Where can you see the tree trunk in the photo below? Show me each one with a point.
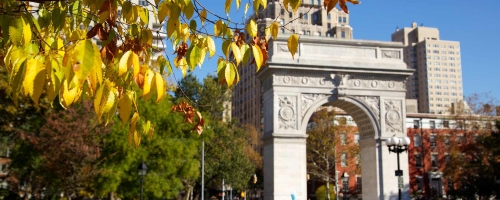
(328, 181)
(111, 196)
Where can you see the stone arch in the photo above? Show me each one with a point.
(366, 117)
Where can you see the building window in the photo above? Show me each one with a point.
(282, 11)
(345, 185)
(282, 21)
(340, 19)
(447, 158)
(358, 184)
(434, 160)
(416, 123)
(290, 15)
(356, 138)
(282, 30)
(315, 17)
(344, 19)
(343, 159)
(460, 139)
(328, 16)
(420, 183)
(342, 34)
(343, 138)
(432, 139)
(305, 16)
(418, 160)
(329, 26)
(416, 140)
(432, 122)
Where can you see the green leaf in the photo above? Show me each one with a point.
(192, 25)
(251, 28)
(16, 30)
(194, 56)
(83, 55)
(293, 44)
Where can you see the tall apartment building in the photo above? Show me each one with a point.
(437, 81)
(310, 19)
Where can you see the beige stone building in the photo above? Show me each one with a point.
(437, 81)
(315, 22)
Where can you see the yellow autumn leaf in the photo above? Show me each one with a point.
(162, 11)
(133, 137)
(251, 28)
(34, 79)
(227, 6)
(210, 45)
(218, 28)
(83, 59)
(263, 3)
(293, 44)
(246, 8)
(148, 82)
(189, 10)
(203, 16)
(295, 4)
(55, 75)
(274, 30)
(160, 87)
(128, 60)
(26, 32)
(238, 3)
(125, 106)
(144, 16)
(229, 73)
(236, 52)
(69, 96)
(258, 57)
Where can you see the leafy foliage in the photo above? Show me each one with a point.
(106, 50)
(325, 144)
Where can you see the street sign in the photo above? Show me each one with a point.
(400, 182)
(399, 172)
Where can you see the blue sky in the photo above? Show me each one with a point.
(475, 24)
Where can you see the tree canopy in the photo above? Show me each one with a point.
(107, 50)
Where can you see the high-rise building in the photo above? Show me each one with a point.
(310, 19)
(437, 81)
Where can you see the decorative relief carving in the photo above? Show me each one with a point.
(377, 84)
(303, 81)
(282, 48)
(390, 54)
(373, 103)
(287, 114)
(393, 116)
(307, 100)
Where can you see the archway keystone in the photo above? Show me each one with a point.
(364, 78)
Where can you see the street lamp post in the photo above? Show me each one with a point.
(398, 145)
(142, 170)
(345, 180)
